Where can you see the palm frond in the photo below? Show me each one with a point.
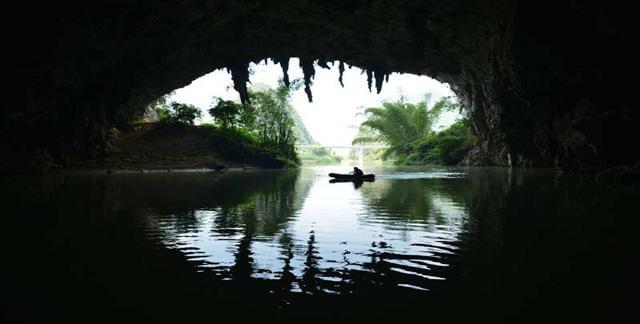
(365, 140)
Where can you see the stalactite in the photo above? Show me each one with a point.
(341, 70)
(309, 72)
(240, 76)
(284, 64)
(323, 64)
(369, 78)
(379, 76)
(386, 77)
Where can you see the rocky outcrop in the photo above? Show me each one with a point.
(541, 82)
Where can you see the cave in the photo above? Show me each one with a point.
(543, 83)
(545, 86)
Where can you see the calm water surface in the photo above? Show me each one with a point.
(445, 244)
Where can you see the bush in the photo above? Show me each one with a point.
(323, 159)
(447, 147)
(227, 114)
(237, 134)
(178, 113)
(241, 144)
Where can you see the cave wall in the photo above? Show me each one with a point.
(541, 82)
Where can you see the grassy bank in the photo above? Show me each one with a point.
(179, 146)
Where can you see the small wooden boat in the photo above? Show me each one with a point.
(355, 181)
(351, 177)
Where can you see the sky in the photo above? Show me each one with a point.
(333, 116)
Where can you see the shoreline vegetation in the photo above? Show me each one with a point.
(319, 156)
(257, 133)
(155, 147)
(262, 133)
(407, 130)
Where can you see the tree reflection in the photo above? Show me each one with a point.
(243, 266)
(397, 201)
(267, 209)
(510, 243)
(251, 207)
(309, 283)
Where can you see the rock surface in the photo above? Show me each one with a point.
(544, 83)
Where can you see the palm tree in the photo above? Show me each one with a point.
(400, 124)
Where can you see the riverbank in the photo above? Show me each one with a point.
(175, 147)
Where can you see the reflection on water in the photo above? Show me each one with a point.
(324, 237)
(492, 242)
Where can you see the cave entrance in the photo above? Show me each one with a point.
(330, 122)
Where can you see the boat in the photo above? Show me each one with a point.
(351, 177)
(356, 181)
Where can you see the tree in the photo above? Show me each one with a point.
(273, 125)
(320, 151)
(226, 113)
(449, 146)
(267, 118)
(407, 129)
(185, 113)
(400, 124)
(175, 112)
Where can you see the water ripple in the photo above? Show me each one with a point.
(323, 238)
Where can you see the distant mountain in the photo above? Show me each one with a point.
(303, 135)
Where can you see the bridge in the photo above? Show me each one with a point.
(359, 148)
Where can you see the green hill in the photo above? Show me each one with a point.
(303, 135)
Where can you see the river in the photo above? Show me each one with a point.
(505, 245)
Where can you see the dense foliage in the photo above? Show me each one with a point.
(407, 129)
(232, 115)
(448, 147)
(267, 119)
(320, 155)
(273, 124)
(176, 112)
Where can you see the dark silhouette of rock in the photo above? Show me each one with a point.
(543, 84)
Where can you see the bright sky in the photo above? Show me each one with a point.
(332, 118)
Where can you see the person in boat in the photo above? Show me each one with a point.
(357, 172)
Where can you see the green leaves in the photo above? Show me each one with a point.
(228, 114)
(407, 129)
(399, 123)
(267, 117)
(449, 146)
(179, 113)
